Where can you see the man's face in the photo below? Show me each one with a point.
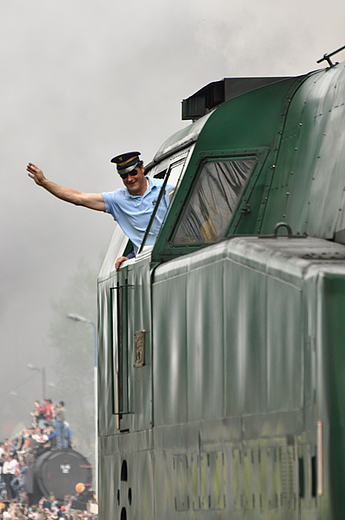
(136, 184)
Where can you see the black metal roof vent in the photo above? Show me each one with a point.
(217, 92)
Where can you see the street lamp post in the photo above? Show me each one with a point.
(43, 374)
(75, 317)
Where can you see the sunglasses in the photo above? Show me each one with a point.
(133, 173)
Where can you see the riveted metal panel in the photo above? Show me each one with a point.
(269, 477)
(163, 499)
(249, 496)
(170, 350)
(205, 359)
(129, 486)
(245, 332)
(211, 475)
(108, 495)
(195, 482)
(237, 478)
(284, 345)
(181, 482)
(172, 477)
(142, 465)
(309, 170)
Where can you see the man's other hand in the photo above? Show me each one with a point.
(119, 261)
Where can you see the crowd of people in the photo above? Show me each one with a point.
(47, 509)
(48, 429)
(49, 421)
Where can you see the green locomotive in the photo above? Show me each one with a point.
(221, 363)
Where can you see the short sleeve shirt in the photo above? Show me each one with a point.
(133, 213)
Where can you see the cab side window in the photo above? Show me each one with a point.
(207, 216)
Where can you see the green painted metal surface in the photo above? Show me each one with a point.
(331, 289)
(170, 369)
(248, 125)
(244, 348)
(234, 409)
(307, 189)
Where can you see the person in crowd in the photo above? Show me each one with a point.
(24, 499)
(49, 411)
(19, 443)
(46, 414)
(31, 437)
(45, 503)
(18, 482)
(41, 439)
(29, 457)
(14, 471)
(67, 435)
(53, 501)
(2, 480)
(51, 434)
(60, 417)
(67, 502)
(12, 446)
(38, 415)
(8, 471)
(6, 476)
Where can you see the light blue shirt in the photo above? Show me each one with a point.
(133, 213)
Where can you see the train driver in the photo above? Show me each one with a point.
(131, 206)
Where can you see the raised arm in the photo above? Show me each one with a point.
(89, 200)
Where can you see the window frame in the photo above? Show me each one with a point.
(202, 166)
(259, 154)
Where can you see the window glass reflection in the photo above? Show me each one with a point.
(213, 201)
